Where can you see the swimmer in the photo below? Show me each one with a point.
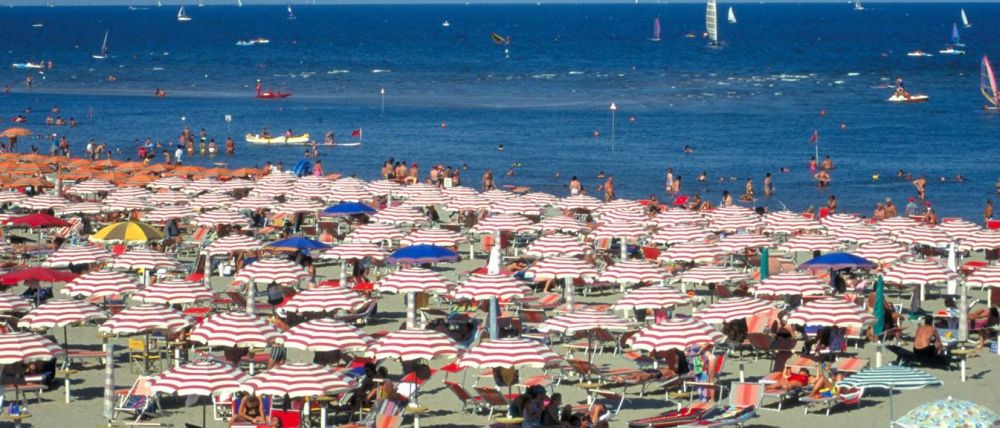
(500, 148)
(688, 149)
(784, 170)
(875, 176)
(959, 178)
(557, 174)
(703, 177)
(600, 174)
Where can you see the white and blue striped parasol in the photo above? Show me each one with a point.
(891, 378)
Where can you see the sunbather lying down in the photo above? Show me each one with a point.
(640, 376)
(789, 381)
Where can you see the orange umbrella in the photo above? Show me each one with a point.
(15, 132)
(10, 156)
(35, 157)
(189, 169)
(77, 163)
(140, 180)
(79, 174)
(217, 172)
(158, 168)
(31, 181)
(130, 166)
(243, 172)
(30, 168)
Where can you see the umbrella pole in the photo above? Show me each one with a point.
(109, 380)
(963, 312)
(568, 294)
(890, 406)
(204, 420)
(411, 310)
(343, 273)
(494, 328)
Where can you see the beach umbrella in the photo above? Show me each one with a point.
(931, 236)
(790, 225)
(346, 209)
(324, 299)
(811, 243)
(350, 251)
(981, 240)
(202, 185)
(584, 320)
(948, 413)
(734, 223)
(127, 232)
(895, 225)
(282, 272)
(985, 276)
(735, 308)
(400, 216)
(80, 208)
(694, 252)
(561, 224)
(297, 380)
(512, 353)
(579, 202)
(382, 187)
(36, 220)
(296, 206)
(170, 212)
(441, 237)
(918, 273)
(144, 258)
(43, 202)
(77, 255)
(541, 198)
(235, 184)
(623, 231)
(232, 244)
(831, 311)
(459, 191)
(174, 292)
(171, 182)
(349, 194)
(203, 378)
(129, 193)
(467, 203)
(710, 275)
(254, 203)
(37, 274)
(628, 272)
(324, 335)
(424, 199)
(623, 215)
(60, 313)
(859, 233)
(409, 345)
(296, 244)
(838, 261)
(503, 223)
(680, 334)
(211, 200)
(958, 229)
(15, 132)
(413, 280)
(620, 204)
(678, 217)
(741, 242)
(11, 197)
(890, 378)
(100, 284)
(556, 244)
(879, 326)
(791, 283)
(235, 330)
(375, 233)
(882, 251)
(21, 347)
(565, 268)
(422, 254)
(481, 286)
(498, 195)
(126, 204)
(221, 217)
(168, 197)
(651, 297)
(12, 303)
(679, 234)
(835, 221)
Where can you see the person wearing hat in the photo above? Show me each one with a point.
(911, 208)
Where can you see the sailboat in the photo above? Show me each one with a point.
(956, 42)
(104, 49)
(732, 16)
(965, 20)
(291, 15)
(159, 3)
(656, 29)
(988, 84)
(182, 16)
(239, 3)
(712, 23)
(858, 6)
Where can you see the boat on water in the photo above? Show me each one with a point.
(37, 25)
(291, 15)
(269, 94)
(918, 54)
(656, 30)
(446, 24)
(907, 98)
(251, 42)
(27, 65)
(182, 16)
(988, 84)
(258, 139)
(712, 23)
(950, 50)
(239, 3)
(858, 5)
(955, 39)
(732, 16)
(965, 20)
(104, 48)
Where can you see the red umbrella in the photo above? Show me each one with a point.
(37, 220)
(36, 274)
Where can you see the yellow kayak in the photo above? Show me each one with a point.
(296, 139)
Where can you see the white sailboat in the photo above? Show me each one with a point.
(104, 49)
(858, 6)
(965, 20)
(732, 16)
(239, 3)
(159, 3)
(712, 23)
(182, 16)
(291, 15)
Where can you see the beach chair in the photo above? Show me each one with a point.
(138, 353)
(760, 343)
(615, 399)
(473, 404)
(850, 365)
(845, 396)
(138, 400)
(744, 400)
(492, 399)
(670, 419)
(783, 394)
(193, 245)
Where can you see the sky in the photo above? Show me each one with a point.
(282, 2)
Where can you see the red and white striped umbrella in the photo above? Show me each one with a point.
(556, 244)
(174, 292)
(11, 303)
(674, 334)
(711, 275)
(439, 237)
(619, 230)
(834, 221)
(77, 255)
(959, 229)
(354, 251)
(733, 210)
(314, 180)
(503, 223)
(896, 224)
(310, 191)
(579, 202)
(130, 193)
(620, 204)
(652, 297)
(296, 206)
(27, 347)
(413, 279)
(272, 188)
(811, 243)
(399, 216)
(584, 320)
(679, 234)
(733, 223)
(982, 240)
(349, 194)
(100, 284)
(231, 244)
(924, 235)
(542, 199)
(726, 310)
(694, 252)
(60, 313)
(284, 272)
(81, 208)
(561, 224)
(169, 197)
(791, 225)
(498, 195)
(424, 199)
(986, 276)
(235, 184)
(298, 380)
(11, 197)
(411, 190)
(126, 204)
(744, 241)
(516, 205)
(144, 258)
(375, 233)
(254, 203)
(918, 272)
(882, 251)
(791, 283)
(43, 202)
(324, 335)
(324, 299)
(859, 233)
(145, 319)
(171, 182)
(408, 345)
(211, 200)
(561, 268)
(383, 187)
(633, 272)
(169, 212)
(468, 203)
(202, 378)
(481, 286)
(221, 217)
(349, 181)
(676, 217)
(509, 353)
(91, 187)
(459, 191)
(235, 330)
(624, 215)
(831, 311)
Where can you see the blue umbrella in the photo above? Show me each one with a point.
(297, 243)
(344, 209)
(838, 261)
(419, 254)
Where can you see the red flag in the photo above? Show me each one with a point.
(815, 137)
(356, 133)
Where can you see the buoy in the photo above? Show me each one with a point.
(822, 113)
(597, 134)
(631, 119)
(444, 125)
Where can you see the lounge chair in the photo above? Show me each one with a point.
(589, 371)
(473, 404)
(138, 400)
(744, 400)
(850, 365)
(846, 396)
(783, 394)
(670, 419)
(492, 399)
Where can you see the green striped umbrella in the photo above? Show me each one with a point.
(891, 378)
(879, 310)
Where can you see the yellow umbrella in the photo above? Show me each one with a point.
(129, 232)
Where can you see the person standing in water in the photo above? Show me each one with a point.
(988, 212)
(768, 185)
(574, 186)
(609, 189)
(920, 184)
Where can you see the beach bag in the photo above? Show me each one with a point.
(275, 294)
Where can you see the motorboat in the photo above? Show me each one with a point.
(950, 50)
(28, 65)
(918, 54)
(269, 94)
(908, 98)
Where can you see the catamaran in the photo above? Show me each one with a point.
(858, 6)
(711, 23)
(182, 16)
(291, 15)
(104, 48)
(656, 29)
(965, 20)
(732, 16)
(988, 85)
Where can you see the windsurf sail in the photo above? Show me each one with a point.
(858, 6)
(291, 15)
(500, 40)
(955, 40)
(988, 83)
(732, 16)
(656, 29)
(104, 47)
(239, 3)
(965, 20)
(712, 23)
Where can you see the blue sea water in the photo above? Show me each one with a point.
(747, 108)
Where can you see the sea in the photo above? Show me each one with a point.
(452, 95)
